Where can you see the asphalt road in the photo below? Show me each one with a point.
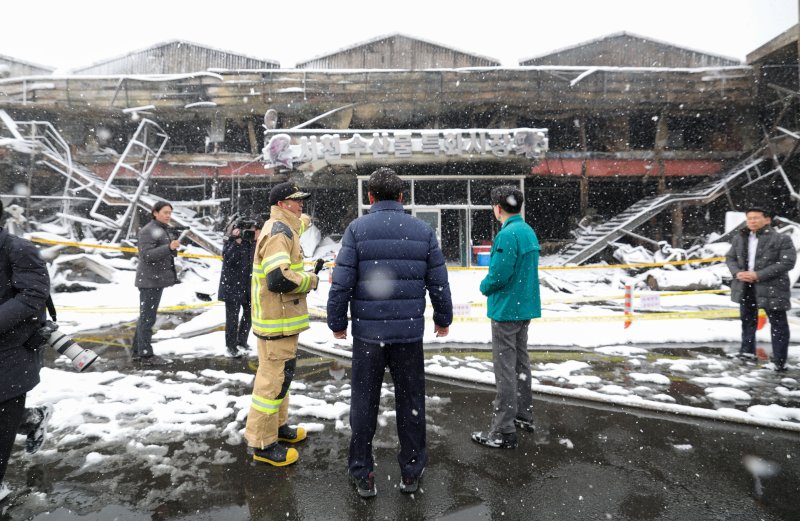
(585, 461)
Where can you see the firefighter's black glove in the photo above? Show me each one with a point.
(318, 266)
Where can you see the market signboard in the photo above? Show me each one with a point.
(288, 150)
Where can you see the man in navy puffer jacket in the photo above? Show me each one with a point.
(387, 261)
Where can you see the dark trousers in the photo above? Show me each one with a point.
(406, 365)
(149, 298)
(11, 413)
(237, 329)
(779, 326)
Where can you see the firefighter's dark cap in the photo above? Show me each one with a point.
(284, 191)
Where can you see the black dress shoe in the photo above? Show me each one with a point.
(410, 485)
(365, 486)
(496, 440)
(525, 425)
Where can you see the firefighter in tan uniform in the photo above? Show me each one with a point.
(279, 289)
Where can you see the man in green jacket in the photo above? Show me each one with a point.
(512, 286)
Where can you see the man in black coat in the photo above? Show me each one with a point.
(234, 286)
(760, 260)
(24, 288)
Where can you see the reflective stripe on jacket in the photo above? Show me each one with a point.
(279, 284)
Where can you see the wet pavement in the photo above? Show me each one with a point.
(687, 371)
(585, 461)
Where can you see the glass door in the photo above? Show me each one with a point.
(433, 218)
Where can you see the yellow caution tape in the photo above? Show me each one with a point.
(634, 266)
(129, 249)
(87, 340)
(606, 266)
(674, 315)
(163, 309)
(669, 315)
(126, 249)
(600, 298)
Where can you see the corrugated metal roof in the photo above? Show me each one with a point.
(17, 67)
(534, 60)
(176, 56)
(490, 61)
(787, 38)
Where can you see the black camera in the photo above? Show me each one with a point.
(246, 229)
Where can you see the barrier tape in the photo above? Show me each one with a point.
(669, 315)
(163, 309)
(634, 266)
(129, 249)
(101, 341)
(672, 315)
(601, 298)
(606, 266)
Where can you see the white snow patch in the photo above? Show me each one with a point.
(620, 350)
(774, 412)
(93, 458)
(727, 394)
(726, 381)
(614, 389)
(655, 378)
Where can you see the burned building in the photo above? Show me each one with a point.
(625, 118)
(10, 67)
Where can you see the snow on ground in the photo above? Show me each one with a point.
(589, 320)
(96, 411)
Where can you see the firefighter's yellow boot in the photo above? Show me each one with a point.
(291, 435)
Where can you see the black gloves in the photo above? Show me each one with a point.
(318, 266)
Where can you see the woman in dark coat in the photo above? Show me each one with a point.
(156, 271)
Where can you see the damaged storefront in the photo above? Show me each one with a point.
(449, 174)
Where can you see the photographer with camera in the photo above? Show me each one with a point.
(234, 283)
(155, 271)
(24, 288)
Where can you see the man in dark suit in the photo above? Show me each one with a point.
(760, 260)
